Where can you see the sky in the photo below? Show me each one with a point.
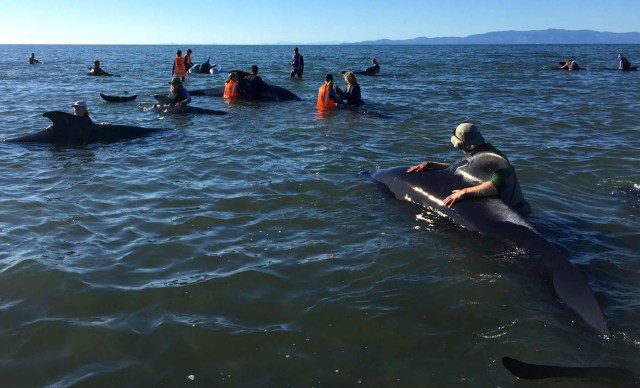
(295, 22)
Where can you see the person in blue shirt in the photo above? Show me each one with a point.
(297, 64)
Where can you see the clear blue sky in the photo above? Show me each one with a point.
(298, 22)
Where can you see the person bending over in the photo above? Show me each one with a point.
(503, 182)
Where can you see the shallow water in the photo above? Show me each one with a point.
(252, 249)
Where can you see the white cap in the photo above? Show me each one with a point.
(81, 103)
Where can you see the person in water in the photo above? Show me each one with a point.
(252, 85)
(374, 68)
(33, 60)
(352, 95)
(81, 110)
(297, 64)
(178, 96)
(231, 86)
(188, 64)
(503, 182)
(97, 70)
(623, 63)
(178, 70)
(327, 96)
(570, 64)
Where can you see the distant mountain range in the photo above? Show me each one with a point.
(550, 36)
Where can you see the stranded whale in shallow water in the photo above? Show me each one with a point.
(266, 92)
(492, 217)
(68, 129)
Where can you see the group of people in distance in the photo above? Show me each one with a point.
(466, 136)
(570, 64)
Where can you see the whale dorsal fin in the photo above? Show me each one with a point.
(64, 121)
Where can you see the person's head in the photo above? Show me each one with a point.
(176, 83)
(350, 78)
(619, 55)
(33, 55)
(467, 137)
(179, 53)
(374, 61)
(328, 79)
(96, 63)
(233, 76)
(189, 51)
(295, 50)
(254, 69)
(79, 108)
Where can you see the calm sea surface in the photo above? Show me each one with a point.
(253, 249)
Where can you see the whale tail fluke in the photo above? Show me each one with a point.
(528, 371)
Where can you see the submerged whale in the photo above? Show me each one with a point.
(492, 217)
(68, 129)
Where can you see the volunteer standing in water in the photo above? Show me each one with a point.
(178, 70)
(297, 64)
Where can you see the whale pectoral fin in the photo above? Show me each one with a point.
(528, 371)
(573, 290)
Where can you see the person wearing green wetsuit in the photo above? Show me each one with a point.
(503, 182)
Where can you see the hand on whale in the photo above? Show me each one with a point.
(492, 217)
(68, 129)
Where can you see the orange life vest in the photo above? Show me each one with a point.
(178, 67)
(325, 101)
(187, 61)
(230, 89)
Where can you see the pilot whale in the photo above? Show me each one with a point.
(492, 217)
(68, 129)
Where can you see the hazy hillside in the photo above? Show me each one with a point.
(550, 36)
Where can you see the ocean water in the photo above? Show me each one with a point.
(253, 249)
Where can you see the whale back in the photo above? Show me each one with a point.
(492, 217)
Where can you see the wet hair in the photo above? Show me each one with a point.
(374, 61)
(350, 78)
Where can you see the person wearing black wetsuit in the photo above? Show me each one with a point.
(352, 95)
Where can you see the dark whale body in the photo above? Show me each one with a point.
(492, 217)
(68, 129)
(267, 93)
(109, 98)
